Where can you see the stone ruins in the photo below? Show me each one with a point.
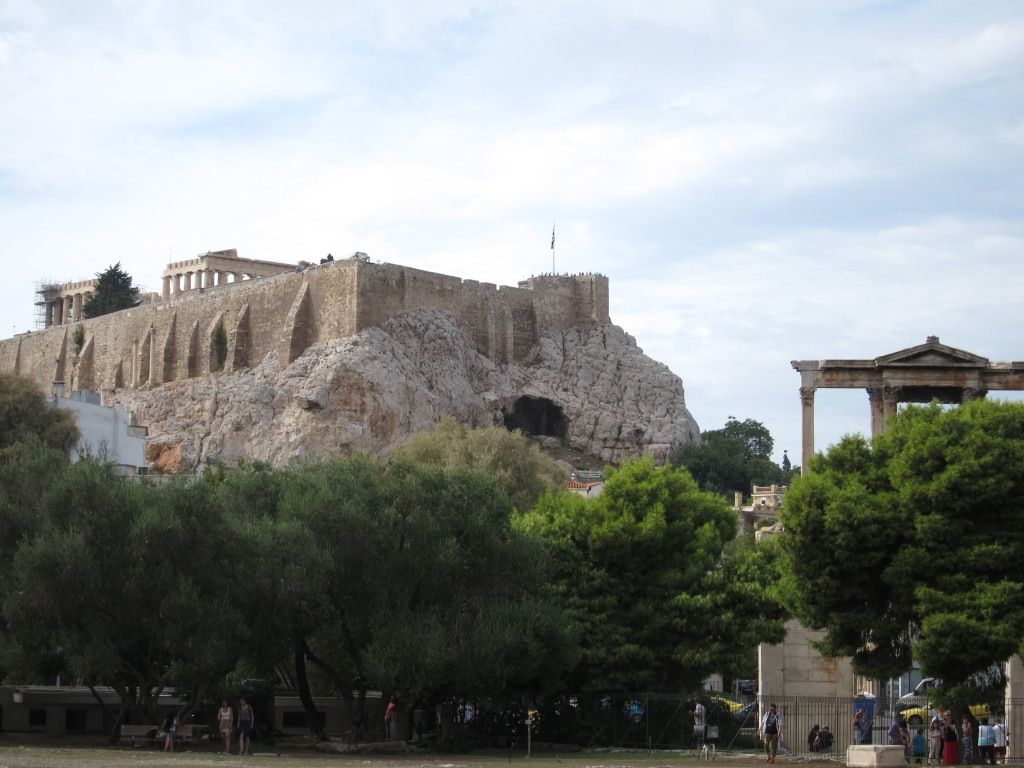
(240, 358)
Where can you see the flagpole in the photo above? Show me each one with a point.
(552, 248)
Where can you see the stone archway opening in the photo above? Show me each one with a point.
(536, 416)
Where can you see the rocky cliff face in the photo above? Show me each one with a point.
(595, 390)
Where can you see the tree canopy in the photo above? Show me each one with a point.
(909, 547)
(26, 415)
(397, 577)
(114, 291)
(516, 463)
(734, 459)
(641, 578)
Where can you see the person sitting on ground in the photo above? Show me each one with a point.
(824, 739)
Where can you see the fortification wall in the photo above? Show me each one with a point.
(235, 325)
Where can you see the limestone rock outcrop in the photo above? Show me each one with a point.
(594, 389)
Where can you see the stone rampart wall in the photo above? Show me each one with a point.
(284, 314)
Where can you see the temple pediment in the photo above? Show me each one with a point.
(931, 354)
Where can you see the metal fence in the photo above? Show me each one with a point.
(648, 721)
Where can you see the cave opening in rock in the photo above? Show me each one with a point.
(536, 416)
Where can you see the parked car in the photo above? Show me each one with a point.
(728, 704)
(917, 710)
(923, 713)
(746, 716)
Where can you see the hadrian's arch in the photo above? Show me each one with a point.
(929, 371)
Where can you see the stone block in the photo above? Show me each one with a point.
(871, 755)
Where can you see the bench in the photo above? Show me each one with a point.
(147, 735)
(139, 735)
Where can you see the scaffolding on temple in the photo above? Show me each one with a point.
(47, 291)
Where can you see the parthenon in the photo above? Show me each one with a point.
(214, 268)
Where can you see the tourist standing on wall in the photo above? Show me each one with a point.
(771, 732)
(225, 723)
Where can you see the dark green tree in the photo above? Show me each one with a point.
(114, 291)
(401, 577)
(641, 576)
(121, 584)
(734, 459)
(25, 414)
(908, 547)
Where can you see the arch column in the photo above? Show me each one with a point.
(65, 311)
(807, 426)
(877, 410)
(167, 287)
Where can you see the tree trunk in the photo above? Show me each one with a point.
(312, 715)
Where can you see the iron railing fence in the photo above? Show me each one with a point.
(647, 721)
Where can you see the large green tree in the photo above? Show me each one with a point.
(641, 576)
(405, 577)
(909, 547)
(120, 583)
(114, 291)
(733, 459)
(26, 415)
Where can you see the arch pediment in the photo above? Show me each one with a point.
(931, 354)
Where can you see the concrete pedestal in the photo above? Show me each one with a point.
(871, 755)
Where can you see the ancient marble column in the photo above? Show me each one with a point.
(807, 426)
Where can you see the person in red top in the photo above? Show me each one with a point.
(388, 715)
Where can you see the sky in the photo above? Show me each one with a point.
(761, 181)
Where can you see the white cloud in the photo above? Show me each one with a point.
(761, 182)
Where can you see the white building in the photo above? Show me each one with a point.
(108, 433)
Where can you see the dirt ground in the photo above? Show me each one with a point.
(35, 751)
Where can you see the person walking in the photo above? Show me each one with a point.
(700, 723)
(225, 723)
(1000, 734)
(771, 731)
(389, 718)
(986, 742)
(246, 719)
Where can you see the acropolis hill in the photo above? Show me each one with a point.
(355, 355)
